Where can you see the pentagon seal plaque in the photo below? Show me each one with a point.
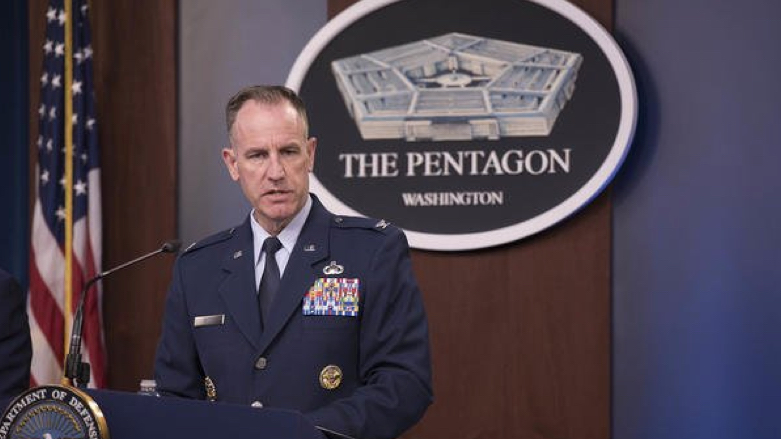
(469, 130)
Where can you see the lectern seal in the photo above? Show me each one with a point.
(54, 412)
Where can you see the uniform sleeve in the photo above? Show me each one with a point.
(395, 365)
(177, 368)
(15, 346)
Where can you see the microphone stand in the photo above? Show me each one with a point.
(76, 370)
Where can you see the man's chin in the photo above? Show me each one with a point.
(276, 213)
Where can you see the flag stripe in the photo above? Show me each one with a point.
(47, 358)
(94, 305)
(45, 367)
(45, 311)
(47, 257)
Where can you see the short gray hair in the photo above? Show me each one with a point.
(265, 94)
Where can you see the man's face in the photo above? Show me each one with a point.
(271, 158)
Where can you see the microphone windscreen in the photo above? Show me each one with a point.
(171, 246)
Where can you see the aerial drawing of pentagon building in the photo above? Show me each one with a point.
(457, 87)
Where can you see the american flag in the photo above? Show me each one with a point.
(47, 299)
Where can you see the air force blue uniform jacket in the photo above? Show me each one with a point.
(212, 328)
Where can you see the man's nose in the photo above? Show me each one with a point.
(276, 170)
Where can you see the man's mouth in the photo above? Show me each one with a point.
(275, 192)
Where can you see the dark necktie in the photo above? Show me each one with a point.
(269, 283)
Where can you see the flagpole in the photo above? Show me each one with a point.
(68, 131)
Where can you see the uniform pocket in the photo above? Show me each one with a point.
(334, 323)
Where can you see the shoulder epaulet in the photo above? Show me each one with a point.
(210, 240)
(361, 223)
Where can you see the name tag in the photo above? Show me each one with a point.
(333, 296)
(217, 319)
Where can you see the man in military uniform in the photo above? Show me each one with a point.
(246, 321)
(15, 347)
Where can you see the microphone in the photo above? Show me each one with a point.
(76, 370)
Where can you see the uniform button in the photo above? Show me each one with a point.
(257, 405)
(261, 363)
(338, 219)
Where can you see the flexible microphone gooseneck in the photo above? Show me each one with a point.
(76, 370)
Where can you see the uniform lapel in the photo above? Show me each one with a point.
(311, 248)
(238, 290)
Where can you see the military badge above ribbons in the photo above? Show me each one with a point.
(333, 296)
(53, 412)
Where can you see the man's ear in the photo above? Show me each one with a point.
(229, 157)
(311, 148)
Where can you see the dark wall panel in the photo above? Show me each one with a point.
(135, 65)
(521, 334)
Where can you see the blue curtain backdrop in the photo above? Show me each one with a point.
(14, 230)
(697, 224)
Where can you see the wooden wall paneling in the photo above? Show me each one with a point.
(36, 13)
(337, 6)
(521, 333)
(135, 69)
(134, 46)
